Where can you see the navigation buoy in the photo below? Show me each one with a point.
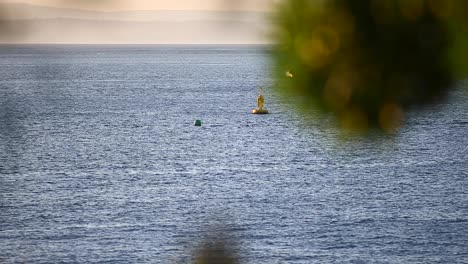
(260, 104)
(198, 122)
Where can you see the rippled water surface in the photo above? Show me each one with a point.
(100, 162)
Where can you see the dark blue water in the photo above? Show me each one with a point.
(100, 163)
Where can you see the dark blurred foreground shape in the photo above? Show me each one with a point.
(217, 249)
(368, 61)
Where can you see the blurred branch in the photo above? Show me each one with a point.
(367, 62)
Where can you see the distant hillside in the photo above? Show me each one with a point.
(22, 23)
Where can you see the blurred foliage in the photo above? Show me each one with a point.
(218, 250)
(368, 61)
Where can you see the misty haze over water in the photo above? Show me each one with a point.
(26, 23)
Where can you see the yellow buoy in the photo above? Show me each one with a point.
(260, 104)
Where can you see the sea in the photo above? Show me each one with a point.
(100, 162)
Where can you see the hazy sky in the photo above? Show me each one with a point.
(162, 21)
(120, 5)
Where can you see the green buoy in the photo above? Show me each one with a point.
(198, 122)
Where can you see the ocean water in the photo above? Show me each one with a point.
(100, 163)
